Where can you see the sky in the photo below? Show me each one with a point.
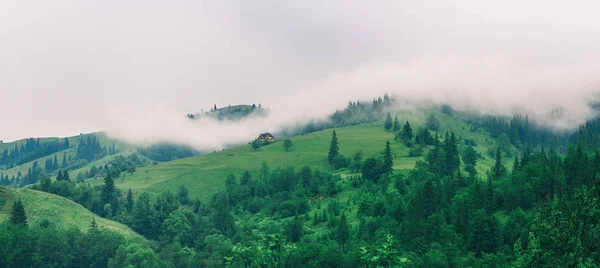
(135, 68)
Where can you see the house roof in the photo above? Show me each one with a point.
(266, 134)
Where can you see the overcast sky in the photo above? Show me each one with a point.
(135, 68)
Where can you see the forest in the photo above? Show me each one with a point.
(542, 211)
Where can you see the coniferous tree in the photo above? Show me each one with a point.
(470, 160)
(396, 126)
(64, 161)
(451, 156)
(388, 122)
(66, 176)
(94, 225)
(407, 133)
(108, 189)
(498, 170)
(129, 204)
(333, 147)
(388, 161)
(17, 214)
(432, 123)
(343, 231)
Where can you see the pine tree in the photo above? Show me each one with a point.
(93, 225)
(396, 126)
(498, 169)
(343, 231)
(407, 133)
(333, 147)
(129, 205)
(64, 161)
(388, 122)
(107, 189)
(432, 123)
(388, 161)
(17, 214)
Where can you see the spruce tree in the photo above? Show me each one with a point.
(343, 231)
(93, 225)
(17, 214)
(129, 205)
(107, 189)
(64, 161)
(498, 169)
(388, 161)
(407, 133)
(333, 147)
(388, 122)
(396, 126)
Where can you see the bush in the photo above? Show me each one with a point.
(415, 152)
(340, 161)
(470, 142)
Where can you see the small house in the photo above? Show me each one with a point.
(266, 137)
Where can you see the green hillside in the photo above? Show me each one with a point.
(124, 148)
(203, 175)
(58, 210)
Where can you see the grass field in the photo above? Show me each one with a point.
(203, 175)
(60, 211)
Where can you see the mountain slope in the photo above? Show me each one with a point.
(58, 210)
(203, 175)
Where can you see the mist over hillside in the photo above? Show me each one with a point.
(303, 60)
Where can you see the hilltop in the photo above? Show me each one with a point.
(232, 113)
(62, 212)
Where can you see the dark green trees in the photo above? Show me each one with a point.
(432, 123)
(334, 150)
(106, 196)
(287, 145)
(255, 144)
(396, 126)
(388, 122)
(343, 231)
(407, 133)
(470, 159)
(17, 214)
(498, 170)
(388, 161)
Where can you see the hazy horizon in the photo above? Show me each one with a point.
(136, 68)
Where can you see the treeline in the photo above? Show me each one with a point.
(167, 151)
(30, 150)
(355, 113)
(88, 149)
(234, 113)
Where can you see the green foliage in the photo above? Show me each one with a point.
(135, 255)
(407, 133)
(17, 214)
(564, 233)
(432, 123)
(388, 122)
(287, 145)
(167, 151)
(334, 149)
(385, 255)
(255, 144)
(388, 161)
(416, 152)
